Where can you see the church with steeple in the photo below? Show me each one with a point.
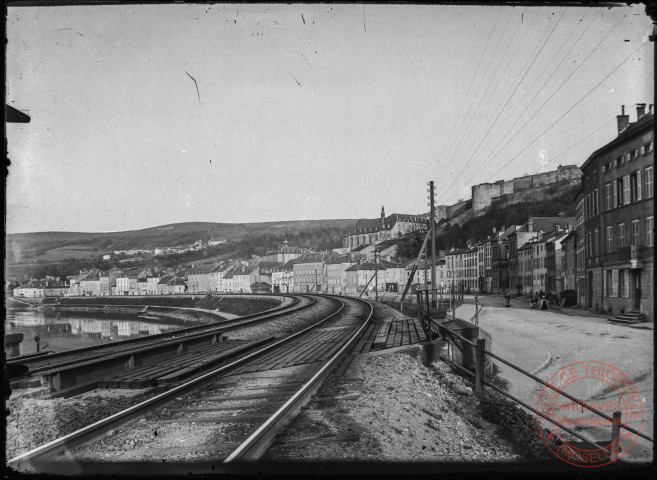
(372, 231)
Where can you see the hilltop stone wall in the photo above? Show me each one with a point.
(484, 193)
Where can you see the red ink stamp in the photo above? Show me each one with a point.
(593, 386)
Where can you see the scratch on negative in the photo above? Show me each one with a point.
(197, 92)
(295, 79)
(364, 27)
(304, 20)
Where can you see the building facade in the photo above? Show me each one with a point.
(617, 230)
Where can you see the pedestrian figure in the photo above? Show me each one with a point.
(544, 303)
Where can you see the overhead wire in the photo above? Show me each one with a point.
(575, 144)
(570, 109)
(513, 55)
(557, 90)
(472, 113)
(529, 89)
(469, 88)
(518, 83)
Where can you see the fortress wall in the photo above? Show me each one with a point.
(508, 187)
(568, 172)
(441, 212)
(522, 183)
(483, 194)
(456, 209)
(544, 178)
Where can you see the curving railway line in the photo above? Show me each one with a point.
(228, 414)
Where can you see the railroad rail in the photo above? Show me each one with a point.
(50, 364)
(286, 373)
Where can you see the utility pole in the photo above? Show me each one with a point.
(376, 274)
(432, 199)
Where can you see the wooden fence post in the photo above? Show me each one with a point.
(480, 363)
(615, 433)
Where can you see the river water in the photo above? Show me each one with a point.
(65, 331)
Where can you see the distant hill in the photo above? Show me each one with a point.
(47, 247)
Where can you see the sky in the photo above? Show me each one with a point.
(146, 115)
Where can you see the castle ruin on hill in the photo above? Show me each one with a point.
(529, 188)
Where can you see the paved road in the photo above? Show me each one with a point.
(545, 341)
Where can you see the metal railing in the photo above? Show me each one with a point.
(478, 374)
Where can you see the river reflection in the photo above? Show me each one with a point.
(65, 331)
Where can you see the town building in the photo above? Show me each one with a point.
(336, 276)
(284, 253)
(463, 269)
(244, 277)
(310, 272)
(282, 278)
(372, 231)
(198, 278)
(618, 225)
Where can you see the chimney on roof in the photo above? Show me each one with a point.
(383, 217)
(650, 109)
(623, 120)
(503, 229)
(494, 230)
(640, 110)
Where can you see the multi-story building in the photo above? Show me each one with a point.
(244, 277)
(198, 278)
(284, 253)
(282, 278)
(526, 267)
(362, 275)
(372, 231)
(55, 289)
(227, 282)
(336, 276)
(618, 227)
(215, 277)
(500, 255)
(556, 281)
(310, 272)
(569, 260)
(462, 268)
(152, 282)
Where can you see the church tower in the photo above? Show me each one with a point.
(383, 218)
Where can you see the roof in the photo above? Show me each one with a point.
(244, 270)
(339, 260)
(260, 284)
(460, 251)
(166, 279)
(201, 269)
(312, 257)
(289, 265)
(361, 247)
(365, 225)
(388, 243)
(645, 122)
(270, 265)
(366, 266)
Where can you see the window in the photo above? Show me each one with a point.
(595, 202)
(607, 285)
(608, 197)
(614, 283)
(649, 231)
(621, 235)
(589, 251)
(610, 239)
(635, 192)
(648, 147)
(624, 280)
(642, 150)
(619, 192)
(626, 189)
(635, 232)
(648, 176)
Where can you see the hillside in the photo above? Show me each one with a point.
(26, 252)
(495, 216)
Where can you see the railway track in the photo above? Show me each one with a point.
(229, 414)
(51, 361)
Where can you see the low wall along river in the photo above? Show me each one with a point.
(76, 322)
